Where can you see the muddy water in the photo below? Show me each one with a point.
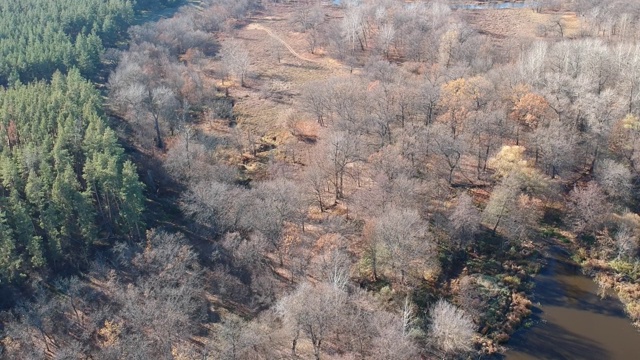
(571, 321)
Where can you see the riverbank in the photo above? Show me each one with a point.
(615, 274)
(619, 277)
(570, 320)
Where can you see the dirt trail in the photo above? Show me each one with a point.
(293, 52)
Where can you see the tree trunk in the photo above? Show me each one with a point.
(294, 343)
(374, 265)
(316, 349)
(159, 143)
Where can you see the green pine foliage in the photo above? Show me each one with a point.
(39, 37)
(64, 179)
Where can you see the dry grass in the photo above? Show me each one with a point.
(506, 25)
(280, 67)
(627, 292)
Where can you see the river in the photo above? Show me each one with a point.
(571, 321)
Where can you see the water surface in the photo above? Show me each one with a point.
(571, 321)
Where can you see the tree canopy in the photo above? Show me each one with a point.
(64, 180)
(38, 37)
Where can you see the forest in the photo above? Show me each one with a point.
(284, 179)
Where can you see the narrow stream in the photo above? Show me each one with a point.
(571, 321)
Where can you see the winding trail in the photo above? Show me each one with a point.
(255, 26)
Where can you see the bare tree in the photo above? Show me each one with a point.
(449, 147)
(335, 268)
(236, 339)
(405, 244)
(464, 221)
(272, 205)
(626, 240)
(316, 99)
(393, 340)
(341, 151)
(161, 104)
(430, 94)
(509, 209)
(559, 25)
(555, 146)
(314, 311)
(216, 206)
(139, 92)
(353, 28)
(317, 183)
(452, 331)
(615, 180)
(588, 209)
(235, 59)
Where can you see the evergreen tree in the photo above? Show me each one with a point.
(9, 259)
(64, 179)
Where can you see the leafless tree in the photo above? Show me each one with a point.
(161, 104)
(236, 339)
(216, 206)
(341, 151)
(353, 28)
(313, 311)
(626, 242)
(308, 17)
(317, 183)
(392, 341)
(588, 209)
(430, 94)
(514, 212)
(335, 267)
(555, 147)
(235, 59)
(316, 99)
(405, 244)
(473, 298)
(465, 221)
(615, 180)
(452, 331)
(137, 91)
(272, 205)
(449, 148)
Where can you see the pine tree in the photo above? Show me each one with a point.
(132, 201)
(9, 260)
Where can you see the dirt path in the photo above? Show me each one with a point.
(291, 50)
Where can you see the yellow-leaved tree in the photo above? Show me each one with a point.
(514, 207)
(529, 110)
(459, 98)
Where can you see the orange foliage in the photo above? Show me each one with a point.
(459, 97)
(529, 109)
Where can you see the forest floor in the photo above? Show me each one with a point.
(519, 23)
(281, 66)
(507, 27)
(265, 111)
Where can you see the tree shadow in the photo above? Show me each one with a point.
(555, 342)
(303, 65)
(562, 284)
